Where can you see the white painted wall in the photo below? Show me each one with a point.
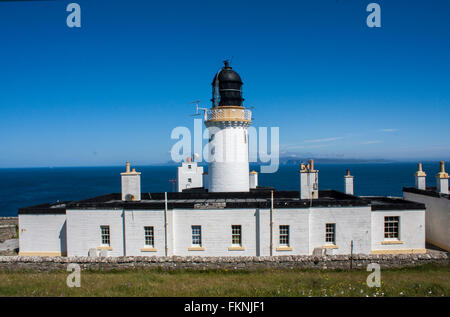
(171, 234)
(216, 231)
(229, 170)
(42, 233)
(189, 170)
(45, 233)
(262, 221)
(83, 231)
(135, 221)
(412, 229)
(437, 218)
(352, 223)
(298, 220)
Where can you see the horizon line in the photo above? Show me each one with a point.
(168, 164)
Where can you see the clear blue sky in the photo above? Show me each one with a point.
(114, 89)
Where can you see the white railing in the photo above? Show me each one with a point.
(226, 114)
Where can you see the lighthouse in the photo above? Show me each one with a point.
(227, 122)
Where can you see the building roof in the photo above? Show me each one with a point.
(392, 203)
(238, 200)
(48, 208)
(198, 200)
(430, 191)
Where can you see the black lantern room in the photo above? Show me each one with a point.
(227, 88)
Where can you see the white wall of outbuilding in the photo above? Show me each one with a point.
(79, 231)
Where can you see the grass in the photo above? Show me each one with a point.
(429, 280)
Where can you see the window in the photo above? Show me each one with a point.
(330, 233)
(236, 235)
(197, 236)
(149, 237)
(391, 225)
(189, 166)
(284, 236)
(106, 238)
(189, 180)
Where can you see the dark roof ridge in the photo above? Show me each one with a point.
(431, 191)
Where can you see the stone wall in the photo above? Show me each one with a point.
(232, 263)
(8, 228)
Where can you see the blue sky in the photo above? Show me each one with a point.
(114, 89)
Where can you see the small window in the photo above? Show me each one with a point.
(391, 227)
(284, 236)
(149, 237)
(236, 235)
(197, 236)
(189, 166)
(189, 180)
(106, 238)
(330, 233)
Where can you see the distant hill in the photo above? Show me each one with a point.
(297, 160)
(289, 160)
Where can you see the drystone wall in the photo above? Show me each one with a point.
(359, 261)
(8, 227)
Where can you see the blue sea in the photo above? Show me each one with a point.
(22, 187)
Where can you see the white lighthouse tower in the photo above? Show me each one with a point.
(227, 122)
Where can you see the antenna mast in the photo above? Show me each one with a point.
(197, 108)
(173, 181)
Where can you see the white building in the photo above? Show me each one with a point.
(189, 175)
(437, 202)
(227, 214)
(223, 224)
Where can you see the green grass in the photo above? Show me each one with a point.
(429, 280)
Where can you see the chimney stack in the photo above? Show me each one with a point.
(253, 179)
(131, 184)
(309, 181)
(420, 178)
(348, 180)
(442, 180)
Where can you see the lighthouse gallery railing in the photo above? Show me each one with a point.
(228, 114)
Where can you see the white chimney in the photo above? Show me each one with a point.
(442, 180)
(309, 181)
(348, 180)
(253, 179)
(131, 184)
(420, 178)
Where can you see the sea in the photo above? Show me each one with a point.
(23, 187)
